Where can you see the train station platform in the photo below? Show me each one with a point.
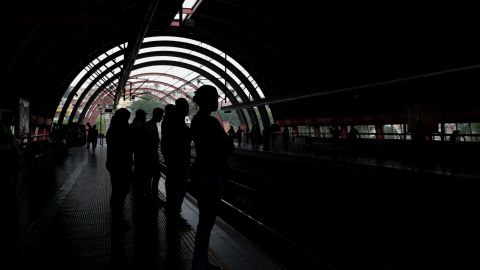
(62, 221)
(355, 211)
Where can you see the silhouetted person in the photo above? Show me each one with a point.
(353, 135)
(8, 166)
(285, 139)
(92, 137)
(239, 135)
(454, 156)
(456, 137)
(267, 138)
(141, 156)
(176, 143)
(87, 134)
(255, 136)
(352, 138)
(8, 147)
(419, 134)
(335, 133)
(153, 162)
(231, 133)
(119, 163)
(212, 147)
(169, 152)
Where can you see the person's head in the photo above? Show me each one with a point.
(123, 114)
(94, 126)
(157, 114)
(170, 110)
(182, 106)
(88, 124)
(206, 97)
(140, 115)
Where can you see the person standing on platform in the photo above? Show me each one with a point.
(153, 161)
(169, 152)
(93, 136)
(141, 169)
(87, 134)
(285, 139)
(8, 167)
(239, 135)
(176, 142)
(231, 133)
(212, 146)
(119, 163)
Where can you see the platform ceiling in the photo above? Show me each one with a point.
(291, 48)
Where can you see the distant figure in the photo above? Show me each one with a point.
(255, 136)
(353, 135)
(456, 137)
(352, 138)
(176, 144)
(285, 139)
(267, 138)
(152, 173)
(239, 135)
(212, 147)
(231, 133)
(7, 139)
(335, 133)
(119, 163)
(419, 134)
(8, 166)
(454, 156)
(87, 132)
(92, 137)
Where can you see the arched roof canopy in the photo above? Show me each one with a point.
(236, 77)
(207, 75)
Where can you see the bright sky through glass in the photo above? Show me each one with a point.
(156, 77)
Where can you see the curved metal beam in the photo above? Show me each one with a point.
(232, 68)
(205, 74)
(85, 77)
(175, 77)
(175, 54)
(169, 85)
(219, 59)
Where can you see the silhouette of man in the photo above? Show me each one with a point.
(239, 135)
(212, 147)
(93, 136)
(176, 142)
(285, 138)
(119, 163)
(141, 156)
(353, 134)
(8, 161)
(87, 132)
(153, 174)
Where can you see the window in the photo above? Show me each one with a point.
(366, 131)
(394, 131)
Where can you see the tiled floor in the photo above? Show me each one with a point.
(73, 230)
